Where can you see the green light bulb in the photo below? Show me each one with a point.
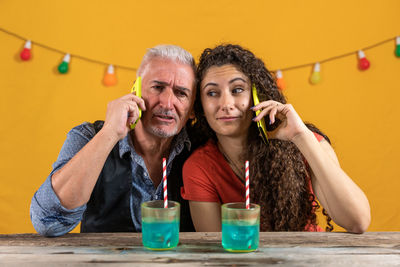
(316, 76)
(63, 67)
(397, 51)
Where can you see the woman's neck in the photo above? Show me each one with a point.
(232, 148)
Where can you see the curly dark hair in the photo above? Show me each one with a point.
(280, 174)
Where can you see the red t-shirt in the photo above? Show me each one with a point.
(208, 177)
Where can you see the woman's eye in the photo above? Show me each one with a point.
(211, 93)
(237, 90)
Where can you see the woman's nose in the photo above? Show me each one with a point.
(227, 102)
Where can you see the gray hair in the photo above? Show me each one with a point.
(172, 52)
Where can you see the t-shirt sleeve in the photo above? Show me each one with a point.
(197, 182)
(319, 137)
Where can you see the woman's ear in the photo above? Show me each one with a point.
(192, 115)
(193, 118)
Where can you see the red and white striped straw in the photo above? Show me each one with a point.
(247, 185)
(164, 163)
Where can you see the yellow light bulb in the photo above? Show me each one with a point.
(316, 76)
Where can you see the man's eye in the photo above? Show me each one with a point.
(181, 93)
(158, 87)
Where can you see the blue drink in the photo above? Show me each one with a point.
(160, 235)
(237, 237)
(160, 226)
(240, 227)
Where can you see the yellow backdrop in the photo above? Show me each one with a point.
(358, 110)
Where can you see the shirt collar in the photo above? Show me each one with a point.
(178, 143)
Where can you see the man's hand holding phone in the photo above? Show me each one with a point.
(124, 112)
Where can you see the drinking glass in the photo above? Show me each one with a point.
(240, 227)
(160, 226)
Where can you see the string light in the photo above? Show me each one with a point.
(397, 51)
(279, 80)
(363, 62)
(109, 78)
(63, 67)
(316, 76)
(26, 52)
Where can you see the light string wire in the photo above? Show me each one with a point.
(337, 57)
(62, 52)
(134, 69)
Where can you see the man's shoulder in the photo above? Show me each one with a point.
(87, 129)
(181, 142)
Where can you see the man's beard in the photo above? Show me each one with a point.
(160, 132)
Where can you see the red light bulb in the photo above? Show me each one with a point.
(26, 52)
(363, 63)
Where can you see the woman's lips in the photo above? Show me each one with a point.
(227, 118)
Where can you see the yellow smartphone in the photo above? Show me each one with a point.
(261, 123)
(137, 88)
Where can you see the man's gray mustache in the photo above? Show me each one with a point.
(165, 113)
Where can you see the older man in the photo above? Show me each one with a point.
(105, 171)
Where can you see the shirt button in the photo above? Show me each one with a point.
(145, 174)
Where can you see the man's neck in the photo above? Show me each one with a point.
(152, 149)
(149, 145)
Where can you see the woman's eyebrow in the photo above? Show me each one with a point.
(235, 79)
(209, 84)
(231, 81)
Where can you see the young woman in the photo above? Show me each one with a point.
(287, 173)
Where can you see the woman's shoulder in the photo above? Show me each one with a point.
(207, 151)
(204, 157)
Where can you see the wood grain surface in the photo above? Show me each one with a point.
(202, 249)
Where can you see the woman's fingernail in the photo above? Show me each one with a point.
(254, 119)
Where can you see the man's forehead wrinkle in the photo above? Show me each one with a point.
(169, 73)
(180, 87)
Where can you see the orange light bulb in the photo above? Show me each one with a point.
(109, 78)
(279, 80)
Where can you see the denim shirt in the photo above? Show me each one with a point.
(50, 218)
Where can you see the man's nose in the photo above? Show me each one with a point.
(166, 98)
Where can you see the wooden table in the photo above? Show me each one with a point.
(202, 249)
